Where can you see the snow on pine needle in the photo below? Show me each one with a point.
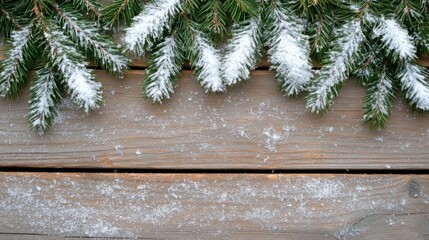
(340, 61)
(206, 61)
(14, 67)
(395, 38)
(164, 70)
(84, 90)
(242, 52)
(379, 100)
(45, 96)
(289, 51)
(100, 48)
(414, 83)
(149, 25)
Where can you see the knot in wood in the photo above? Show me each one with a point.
(414, 189)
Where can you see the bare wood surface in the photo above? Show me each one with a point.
(214, 206)
(252, 126)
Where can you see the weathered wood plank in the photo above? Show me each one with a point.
(214, 206)
(250, 127)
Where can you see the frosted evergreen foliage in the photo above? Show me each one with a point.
(414, 83)
(150, 24)
(395, 38)
(89, 39)
(56, 39)
(44, 99)
(379, 100)
(164, 70)
(341, 60)
(207, 63)
(242, 52)
(289, 51)
(383, 89)
(84, 90)
(14, 68)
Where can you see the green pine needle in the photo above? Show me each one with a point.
(121, 13)
(45, 98)
(19, 60)
(379, 98)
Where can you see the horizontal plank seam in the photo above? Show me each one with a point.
(219, 171)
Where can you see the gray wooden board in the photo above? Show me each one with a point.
(252, 126)
(191, 206)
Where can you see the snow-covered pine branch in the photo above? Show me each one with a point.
(45, 97)
(395, 38)
(379, 100)
(206, 62)
(341, 59)
(97, 46)
(242, 51)
(72, 65)
(413, 80)
(18, 61)
(289, 50)
(150, 24)
(164, 69)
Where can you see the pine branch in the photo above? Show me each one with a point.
(243, 51)
(121, 12)
(206, 62)
(240, 10)
(338, 66)
(91, 8)
(413, 80)
(288, 50)
(320, 33)
(420, 34)
(18, 62)
(403, 51)
(72, 66)
(149, 25)
(45, 98)
(407, 11)
(396, 39)
(164, 69)
(379, 99)
(55, 36)
(368, 67)
(8, 21)
(95, 45)
(214, 18)
(308, 6)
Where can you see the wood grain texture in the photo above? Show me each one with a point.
(250, 127)
(214, 206)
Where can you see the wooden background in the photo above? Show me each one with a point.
(249, 163)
